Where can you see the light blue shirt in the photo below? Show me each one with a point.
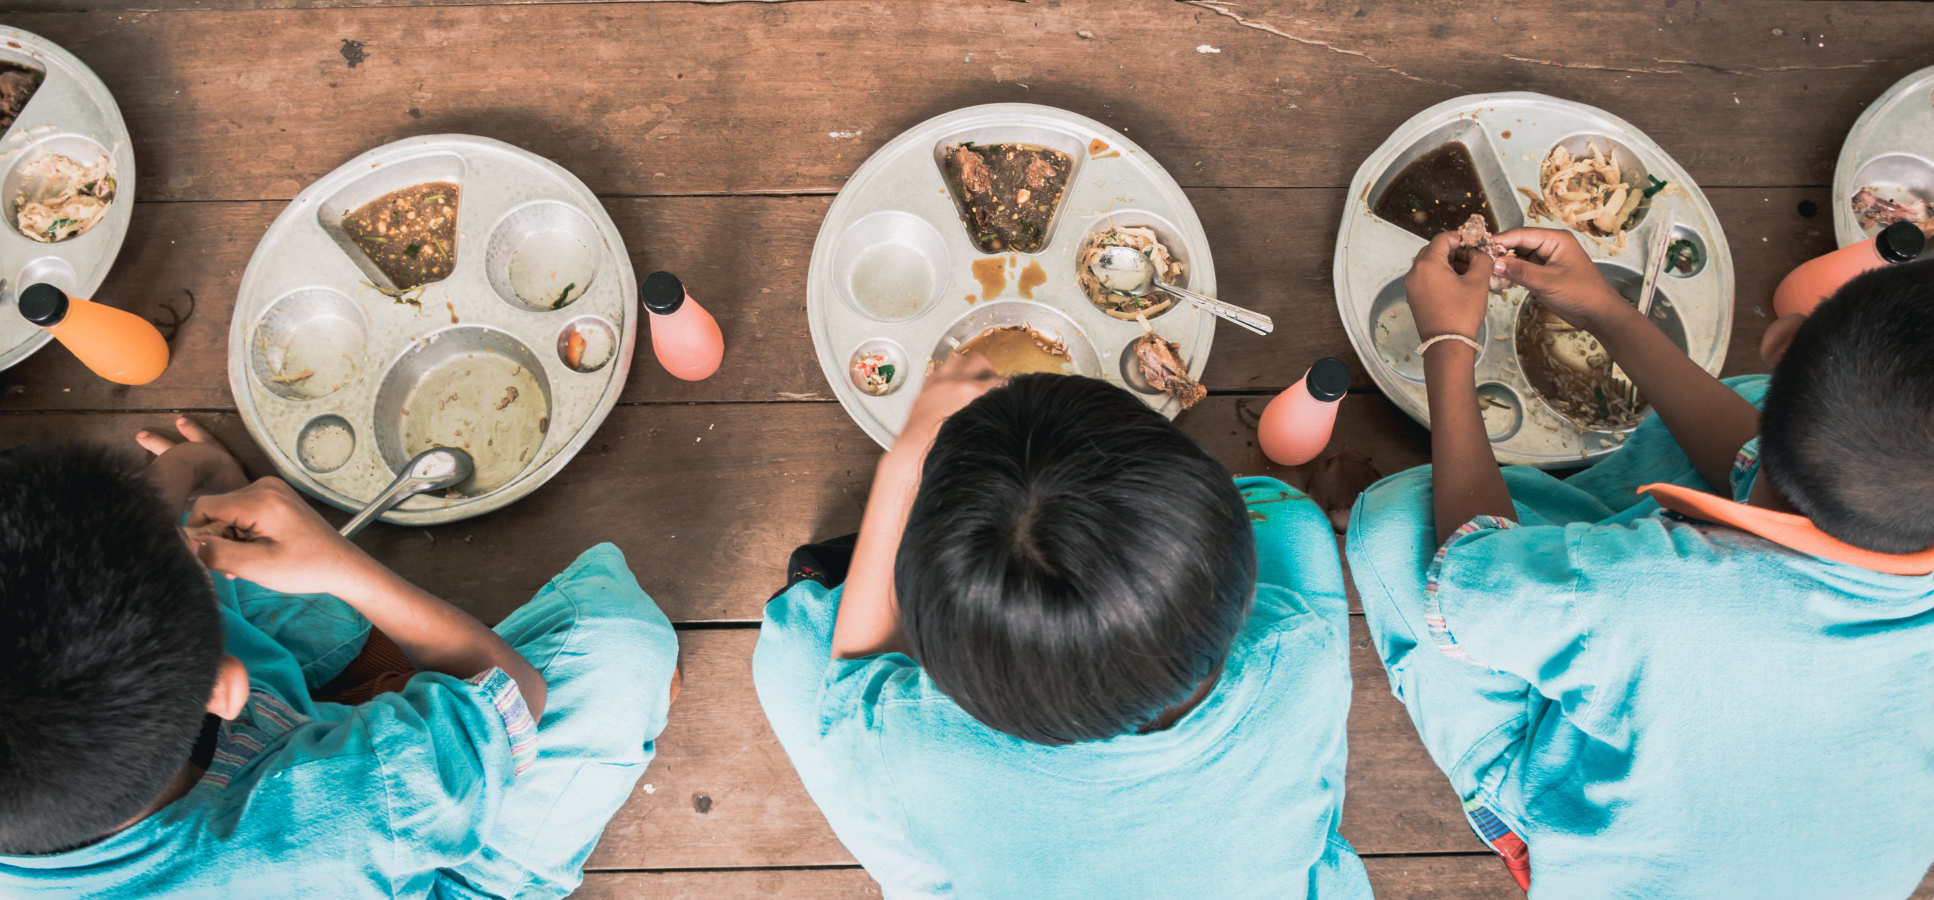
(1727, 717)
(1240, 798)
(314, 799)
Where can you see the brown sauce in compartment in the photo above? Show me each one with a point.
(1438, 192)
(1007, 193)
(17, 86)
(1020, 350)
(410, 234)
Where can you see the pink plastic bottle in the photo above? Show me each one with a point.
(118, 345)
(1817, 278)
(1295, 426)
(685, 338)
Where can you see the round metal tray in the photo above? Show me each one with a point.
(893, 237)
(1509, 136)
(389, 375)
(73, 114)
(1890, 149)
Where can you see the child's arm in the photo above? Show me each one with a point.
(285, 546)
(1709, 421)
(869, 616)
(1464, 479)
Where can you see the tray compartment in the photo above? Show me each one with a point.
(312, 330)
(1165, 232)
(1066, 142)
(26, 178)
(1394, 333)
(1899, 177)
(470, 387)
(1048, 321)
(385, 179)
(542, 255)
(1627, 283)
(1484, 157)
(325, 443)
(891, 266)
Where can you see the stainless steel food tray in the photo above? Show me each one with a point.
(1889, 149)
(389, 374)
(1509, 135)
(892, 268)
(73, 114)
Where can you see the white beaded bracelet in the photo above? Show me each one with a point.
(1468, 342)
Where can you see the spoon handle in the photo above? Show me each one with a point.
(1247, 318)
(405, 486)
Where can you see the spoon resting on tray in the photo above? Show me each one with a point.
(432, 470)
(1125, 271)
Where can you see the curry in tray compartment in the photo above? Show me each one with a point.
(409, 234)
(1007, 193)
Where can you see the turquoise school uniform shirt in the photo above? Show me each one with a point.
(1239, 798)
(1718, 715)
(313, 799)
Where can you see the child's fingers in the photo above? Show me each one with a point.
(153, 443)
(1529, 274)
(1532, 243)
(229, 557)
(1438, 249)
(193, 431)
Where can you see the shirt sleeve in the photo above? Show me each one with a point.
(826, 714)
(437, 756)
(1745, 470)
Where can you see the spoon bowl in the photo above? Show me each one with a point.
(1125, 271)
(435, 469)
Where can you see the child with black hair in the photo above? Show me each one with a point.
(1072, 658)
(160, 733)
(1705, 666)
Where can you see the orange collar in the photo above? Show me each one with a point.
(1789, 530)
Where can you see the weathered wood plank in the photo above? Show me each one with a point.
(1743, 94)
(746, 259)
(706, 501)
(719, 747)
(1445, 877)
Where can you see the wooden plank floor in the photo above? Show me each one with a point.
(717, 133)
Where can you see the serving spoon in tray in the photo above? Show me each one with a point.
(1125, 271)
(1648, 288)
(432, 470)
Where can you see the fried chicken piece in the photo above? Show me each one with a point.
(1161, 363)
(974, 177)
(1876, 211)
(1476, 235)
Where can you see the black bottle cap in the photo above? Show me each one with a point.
(43, 304)
(1900, 242)
(662, 293)
(1328, 380)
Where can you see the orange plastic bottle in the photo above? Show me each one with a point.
(118, 345)
(1817, 278)
(684, 337)
(1296, 425)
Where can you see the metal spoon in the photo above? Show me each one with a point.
(433, 469)
(1125, 271)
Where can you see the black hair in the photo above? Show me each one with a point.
(1847, 430)
(112, 643)
(1073, 564)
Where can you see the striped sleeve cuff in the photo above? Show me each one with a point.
(1745, 468)
(501, 690)
(1434, 621)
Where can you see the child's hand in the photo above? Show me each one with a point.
(267, 534)
(1561, 274)
(1443, 300)
(957, 382)
(199, 464)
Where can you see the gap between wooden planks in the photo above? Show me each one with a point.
(685, 98)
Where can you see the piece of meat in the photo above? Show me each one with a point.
(974, 177)
(1476, 235)
(1161, 364)
(1038, 172)
(16, 86)
(1875, 211)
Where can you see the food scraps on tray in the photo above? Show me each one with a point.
(1589, 193)
(1572, 370)
(1162, 367)
(1876, 212)
(409, 234)
(874, 373)
(1007, 193)
(1143, 240)
(65, 198)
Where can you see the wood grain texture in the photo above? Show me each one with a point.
(706, 501)
(746, 258)
(760, 97)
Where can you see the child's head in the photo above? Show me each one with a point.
(1073, 564)
(1847, 433)
(111, 646)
